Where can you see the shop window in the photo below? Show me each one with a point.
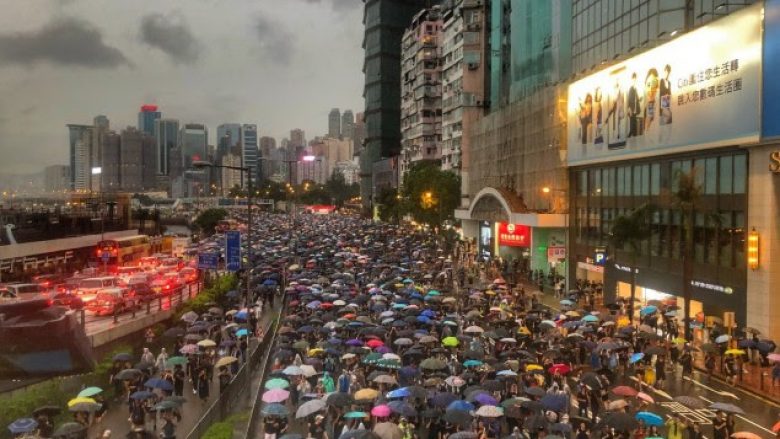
(655, 179)
(711, 176)
(621, 185)
(726, 176)
(698, 237)
(582, 183)
(674, 235)
(740, 173)
(739, 239)
(594, 185)
(725, 238)
(711, 239)
(637, 174)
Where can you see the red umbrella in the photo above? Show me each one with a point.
(374, 343)
(776, 427)
(326, 305)
(349, 316)
(624, 391)
(645, 397)
(560, 368)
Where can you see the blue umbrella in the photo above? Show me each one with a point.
(461, 405)
(636, 357)
(241, 315)
(566, 302)
(306, 329)
(746, 343)
(158, 383)
(23, 425)
(242, 333)
(402, 408)
(556, 403)
(590, 318)
(650, 419)
(443, 399)
(274, 409)
(403, 392)
(472, 363)
(269, 282)
(141, 394)
(313, 304)
(408, 372)
(485, 399)
(649, 309)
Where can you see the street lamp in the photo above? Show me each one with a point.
(199, 164)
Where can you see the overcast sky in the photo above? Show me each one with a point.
(280, 64)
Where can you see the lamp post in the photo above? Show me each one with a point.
(248, 170)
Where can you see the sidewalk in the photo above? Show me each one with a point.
(754, 379)
(117, 417)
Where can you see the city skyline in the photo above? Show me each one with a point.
(104, 65)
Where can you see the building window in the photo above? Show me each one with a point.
(740, 173)
(726, 174)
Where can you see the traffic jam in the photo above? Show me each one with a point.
(127, 276)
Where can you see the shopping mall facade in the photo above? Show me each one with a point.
(706, 104)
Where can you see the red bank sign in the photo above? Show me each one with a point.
(514, 235)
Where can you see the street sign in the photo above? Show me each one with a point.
(233, 250)
(208, 261)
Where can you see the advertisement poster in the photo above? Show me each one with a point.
(699, 90)
(514, 235)
(485, 240)
(233, 250)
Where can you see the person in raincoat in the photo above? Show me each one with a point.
(327, 383)
(161, 359)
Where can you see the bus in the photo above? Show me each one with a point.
(123, 251)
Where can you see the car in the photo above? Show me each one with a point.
(89, 287)
(188, 275)
(125, 273)
(142, 292)
(49, 281)
(109, 301)
(7, 296)
(169, 264)
(164, 285)
(67, 299)
(26, 290)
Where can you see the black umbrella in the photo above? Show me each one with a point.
(339, 399)
(47, 410)
(655, 350)
(535, 391)
(128, 374)
(619, 421)
(458, 417)
(69, 429)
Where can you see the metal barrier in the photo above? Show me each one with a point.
(234, 394)
(256, 403)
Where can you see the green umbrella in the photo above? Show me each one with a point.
(372, 357)
(277, 383)
(388, 364)
(433, 293)
(176, 361)
(89, 392)
(353, 415)
(450, 342)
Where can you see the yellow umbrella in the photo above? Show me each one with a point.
(366, 394)
(523, 330)
(315, 351)
(572, 314)
(735, 352)
(680, 340)
(532, 367)
(207, 343)
(224, 361)
(490, 293)
(80, 400)
(622, 322)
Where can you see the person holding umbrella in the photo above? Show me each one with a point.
(202, 385)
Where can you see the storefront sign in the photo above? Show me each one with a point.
(626, 268)
(774, 161)
(514, 235)
(600, 256)
(697, 91)
(712, 287)
(556, 254)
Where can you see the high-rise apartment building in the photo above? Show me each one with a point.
(166, 133)
(334, 123)
(463, 83)
(249, 151)
(102, 125)
(230, 178)
(138, 149)
(146, 118)
(82, 142)
(267, 166)
(421, 89)
(347, 125)
(358, 133)
(385, 22)
(228, 136)
(110, 177)
(297, 143)
(193, 138)
(56, 178)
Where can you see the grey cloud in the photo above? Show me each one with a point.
(275, 40)
(66, 41)
(172, 35)
(339, 5)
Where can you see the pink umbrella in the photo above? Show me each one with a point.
(381, 411)
(275, 395)
(645, 397)
(773, 357)
(374, 343)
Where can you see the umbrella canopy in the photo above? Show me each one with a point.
(490, 411)
(388, 430)
(691, 402)
(745, 435)
(23, 425)
(726, 407)
(620, 421)
(69, 428)
(225, 361)
(381, 411)
(276, 395)
(89, 392)
(650, 419)
(366, 394)
(274, 409)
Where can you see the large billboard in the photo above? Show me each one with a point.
(697, 91)
(770, 122)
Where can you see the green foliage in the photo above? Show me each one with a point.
(632, 229)
(236, 191)
(219, 430)
(217, 293)
(209, 218)
(430, 195)
(390, 205)
(339, 190)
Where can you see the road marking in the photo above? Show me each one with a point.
(743, 418)
(719, 392)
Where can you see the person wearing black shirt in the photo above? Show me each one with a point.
(178, 380)
(317, 428)
(719, 426)
(224, 379)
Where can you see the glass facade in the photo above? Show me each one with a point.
(605, 30)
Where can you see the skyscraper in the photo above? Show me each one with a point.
(138, 148)
(358, 133)
(347, 125)
(111, 146)
(384, 22)
(334, 123)
(166, 138)
(297, 142)
(267, 166)
(81, 142)
(249, 148)
(146, 118)
(231, 131)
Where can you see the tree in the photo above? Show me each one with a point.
(430, 194)
(236, 191)
(390, 205)
(209, 218)
(631, 231)
(339, 190)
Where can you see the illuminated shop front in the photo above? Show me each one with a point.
(639, 126)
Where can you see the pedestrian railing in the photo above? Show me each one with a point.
(264, 365)
(234, 394)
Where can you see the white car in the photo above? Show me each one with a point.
(89, 287)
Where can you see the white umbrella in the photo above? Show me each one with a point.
(308, 371)
(309, 408)
(474, 330)
(490, 411)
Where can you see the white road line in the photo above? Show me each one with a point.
(743, 418)
(719, 392)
